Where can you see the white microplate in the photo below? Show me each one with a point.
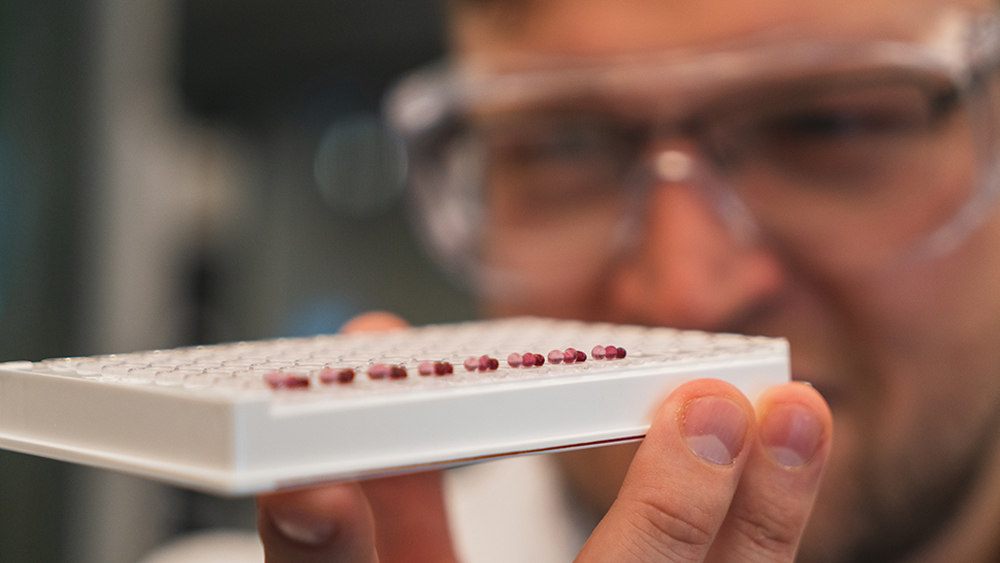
(221, 418)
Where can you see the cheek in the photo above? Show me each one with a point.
(934, 333)
(560, 272)
(574, 301)
(948, 303)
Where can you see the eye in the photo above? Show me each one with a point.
(552, 140)
(839, 134)
(847, 122)
(559, 161)
(859, 111)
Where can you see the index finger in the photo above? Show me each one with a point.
(682, 480)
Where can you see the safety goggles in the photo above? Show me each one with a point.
(857, 155)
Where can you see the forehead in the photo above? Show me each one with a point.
(603, 27)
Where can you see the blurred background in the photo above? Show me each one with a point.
(176, 172)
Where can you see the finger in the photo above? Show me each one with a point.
(373, 322)
(781, 478)
(327, 523)
(682, 479)
(411, 520)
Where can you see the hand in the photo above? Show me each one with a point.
(713, 480)
(337, 522)
(716, 481)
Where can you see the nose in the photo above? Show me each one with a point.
(695, 263)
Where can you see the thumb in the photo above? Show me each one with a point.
(410, 515)
(390, 519)
(326, 523)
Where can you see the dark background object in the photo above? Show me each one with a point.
(158, 187)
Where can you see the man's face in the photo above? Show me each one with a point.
(906, 356)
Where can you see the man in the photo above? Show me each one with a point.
(822, 171)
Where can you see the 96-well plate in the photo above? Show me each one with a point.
(246, 417)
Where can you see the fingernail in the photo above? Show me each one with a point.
(715, 429)
(302, 528)
(791, 433)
